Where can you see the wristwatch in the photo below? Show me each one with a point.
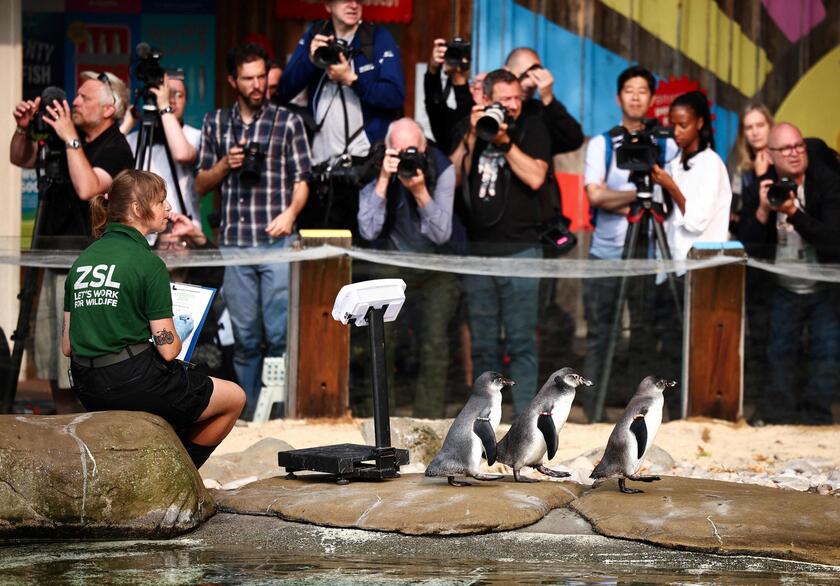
(74, 144)
(167, 110)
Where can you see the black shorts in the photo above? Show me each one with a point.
(145, 382)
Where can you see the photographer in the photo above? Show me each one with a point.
(409, 208)
(538, 86)
(456, 64)
(797, 221)
(257, 155)
(183, 140)
(110, 319)
(94, 153)
(610, 193)
(353, 75)
(502, 175)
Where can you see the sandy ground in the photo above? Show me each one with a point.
(717, 446)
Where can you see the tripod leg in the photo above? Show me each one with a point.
(665, 250)
(603, 384)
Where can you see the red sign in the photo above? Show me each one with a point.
(666, 93)
(398, 11)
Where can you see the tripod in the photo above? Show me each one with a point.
(644, 213)
(48, 168)
(150, 122)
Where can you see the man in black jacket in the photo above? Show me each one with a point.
(805, 228)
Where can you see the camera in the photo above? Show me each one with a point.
(347, 170)
(639, 150)
(411, 161)
(51, 152)
(249, 173)
(458, 53)
(779, 191)
(488, 125)
(148, 70)
(330, 54)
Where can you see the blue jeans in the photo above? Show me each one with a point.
(257, 297)
(511, 303)
(790, 315)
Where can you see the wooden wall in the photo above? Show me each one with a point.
(432, 19)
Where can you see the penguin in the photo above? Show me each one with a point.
(633, 435)
(473, 431)
(536, 429)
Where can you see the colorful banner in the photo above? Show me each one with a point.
(399, 11)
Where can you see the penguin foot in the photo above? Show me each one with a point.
(519, 478)
(458, 483)
(644, 478)
(487, 477)
(626, 490)
(553, 473)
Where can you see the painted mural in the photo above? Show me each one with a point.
(783, 53)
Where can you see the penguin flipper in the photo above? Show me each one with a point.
(485, 432)
(545, 424)
(639, 429)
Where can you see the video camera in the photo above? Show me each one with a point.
(458, 53)
(639, 149)
(148, 69)
(780, 191)
(330, 54)
(491, 121)
(51, 151)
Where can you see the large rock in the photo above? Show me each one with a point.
(719, 517)
(412, 504)
(110, 474)
(258, 461)
(423, 438)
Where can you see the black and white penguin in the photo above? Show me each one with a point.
(473, 432)
(535, 431)
(633, 435)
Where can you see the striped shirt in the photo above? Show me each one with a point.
(247, 211)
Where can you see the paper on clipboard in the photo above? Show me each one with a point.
(190, 306)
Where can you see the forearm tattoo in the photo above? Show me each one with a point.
(164, 337)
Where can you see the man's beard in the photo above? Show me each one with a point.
(252, 104)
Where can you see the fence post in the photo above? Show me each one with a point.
(713, 343)
(319, 347)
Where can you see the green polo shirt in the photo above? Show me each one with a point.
(114, 289)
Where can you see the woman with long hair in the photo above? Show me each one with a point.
(118, 325)
(696, 179)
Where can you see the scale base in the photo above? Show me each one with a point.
(346, 461)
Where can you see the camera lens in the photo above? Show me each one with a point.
(490, 122)
(779, 192)
(249, 174)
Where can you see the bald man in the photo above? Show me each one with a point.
(804, 228)
(409, 208)
(538, 85)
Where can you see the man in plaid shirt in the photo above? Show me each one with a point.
(259, 209)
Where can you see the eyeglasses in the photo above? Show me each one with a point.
(172, 245)
(787, 150)
(103, 77)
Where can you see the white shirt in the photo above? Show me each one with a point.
(708, 197)
(610, 228)
(186, 176)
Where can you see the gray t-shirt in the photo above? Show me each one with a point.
(791, 247)
(330, 110)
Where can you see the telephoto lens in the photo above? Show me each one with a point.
(780, 191)
(490, 122)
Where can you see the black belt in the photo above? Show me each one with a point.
(115, 358)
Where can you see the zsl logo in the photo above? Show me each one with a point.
(99, 275)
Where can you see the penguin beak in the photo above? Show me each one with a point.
(507, 382)
(584, 381)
